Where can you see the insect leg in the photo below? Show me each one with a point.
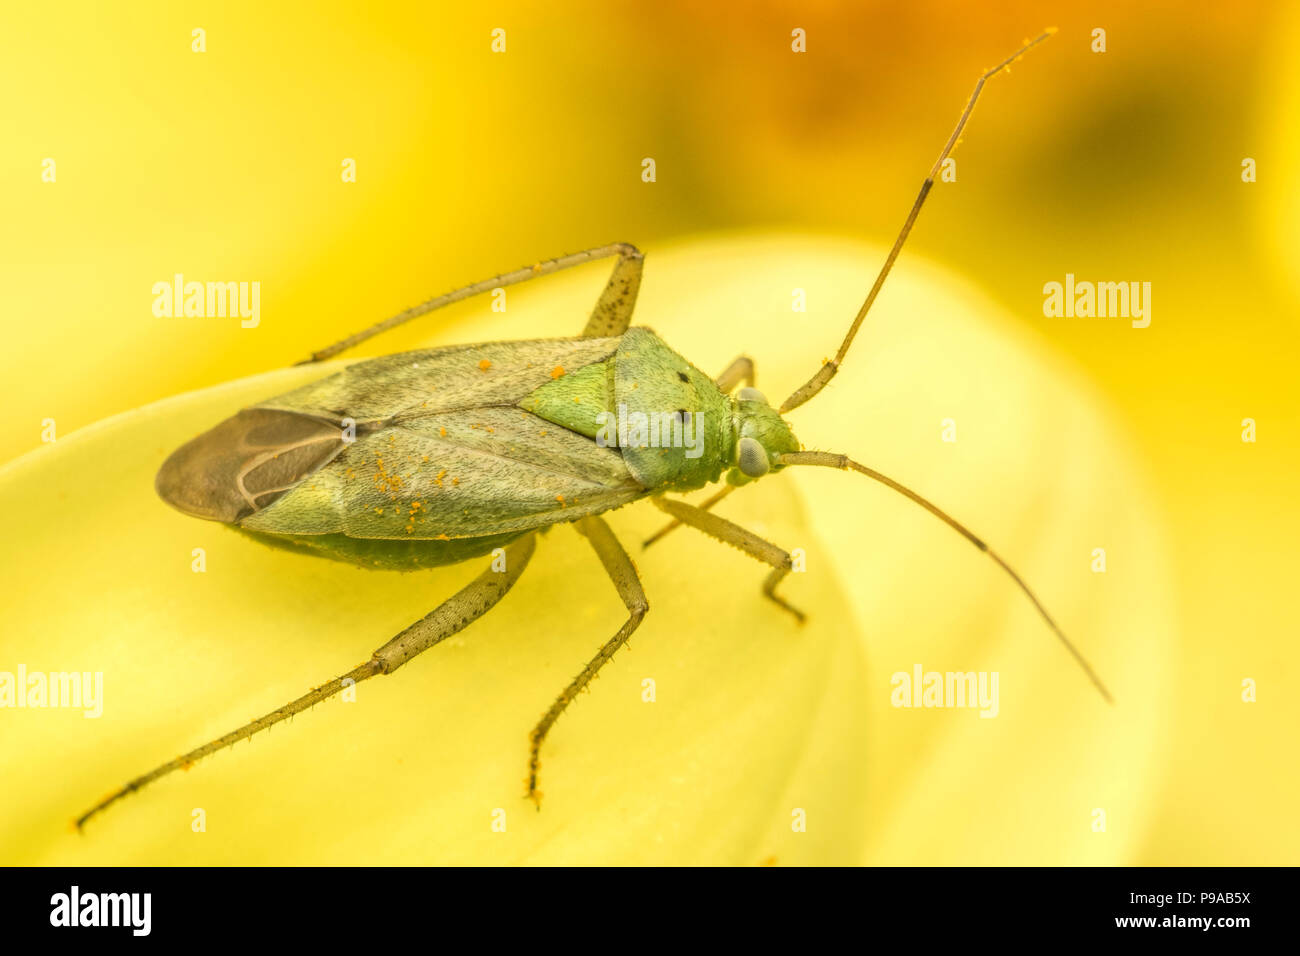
(458, 611)
(740, 370)
(614, 305)
(454, 614)
(676, 522)
(613, 312)
(621, 571)
(736, 536)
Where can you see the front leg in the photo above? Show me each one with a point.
(736, 536)
(740, 370)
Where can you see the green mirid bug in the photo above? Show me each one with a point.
(434, 457)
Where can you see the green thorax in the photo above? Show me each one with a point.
(676, 430)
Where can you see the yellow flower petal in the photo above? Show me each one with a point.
(755, 718)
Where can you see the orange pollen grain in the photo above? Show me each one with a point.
(484, 365)
(557, 371)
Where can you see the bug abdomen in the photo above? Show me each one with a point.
(386, 554)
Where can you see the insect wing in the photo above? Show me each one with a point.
(246, 462)
(431, 380)
(457, 474)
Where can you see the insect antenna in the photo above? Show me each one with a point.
(824, 374)
(830, 460)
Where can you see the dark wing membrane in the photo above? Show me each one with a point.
(246, 463)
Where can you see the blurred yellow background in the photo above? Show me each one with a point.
(1124, 165)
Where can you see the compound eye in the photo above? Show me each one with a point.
(748, 394)
(751, 457)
